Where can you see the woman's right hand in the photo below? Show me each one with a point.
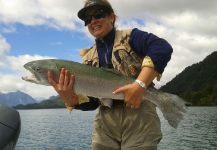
(64, 87)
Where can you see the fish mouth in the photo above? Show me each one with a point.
(33, 77)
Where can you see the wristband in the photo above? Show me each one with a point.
(141, 83)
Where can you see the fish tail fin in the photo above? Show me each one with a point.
(172, 106)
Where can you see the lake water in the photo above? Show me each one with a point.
(56, 129)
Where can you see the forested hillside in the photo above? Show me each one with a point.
(197, 83)
(53, 102)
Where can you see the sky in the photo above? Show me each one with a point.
(41, 29)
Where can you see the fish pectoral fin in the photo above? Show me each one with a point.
(106, 102)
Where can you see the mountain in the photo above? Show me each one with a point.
(14, 98)
(52, 102)
(197, 83)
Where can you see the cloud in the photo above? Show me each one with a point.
(54, 13)
(10, 83)
(4, 49)
(4, 46)
(11, 71)
(7, 29)
(163, 8)
(192, 22)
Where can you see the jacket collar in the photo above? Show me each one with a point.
(108, 39)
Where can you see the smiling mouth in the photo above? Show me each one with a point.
(96, 28)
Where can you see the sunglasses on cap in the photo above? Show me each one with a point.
(98, 14)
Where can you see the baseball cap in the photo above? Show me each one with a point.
(94, 4)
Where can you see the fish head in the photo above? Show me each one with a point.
(39, 70)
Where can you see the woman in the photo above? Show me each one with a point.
(132, 124)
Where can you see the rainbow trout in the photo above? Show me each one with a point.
(100, 83)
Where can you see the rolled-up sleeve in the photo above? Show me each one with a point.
(148, 44)
(92, 104)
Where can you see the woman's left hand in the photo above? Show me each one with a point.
(133, 94)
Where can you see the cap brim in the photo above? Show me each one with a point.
(82, 13)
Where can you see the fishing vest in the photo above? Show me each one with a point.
(124, 59)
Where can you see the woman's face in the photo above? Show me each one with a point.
(102, 26)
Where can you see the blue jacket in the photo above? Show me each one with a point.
(143, 43)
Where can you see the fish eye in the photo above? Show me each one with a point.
(37, 68)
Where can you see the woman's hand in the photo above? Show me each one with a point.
(133, 94)
(64, 87)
